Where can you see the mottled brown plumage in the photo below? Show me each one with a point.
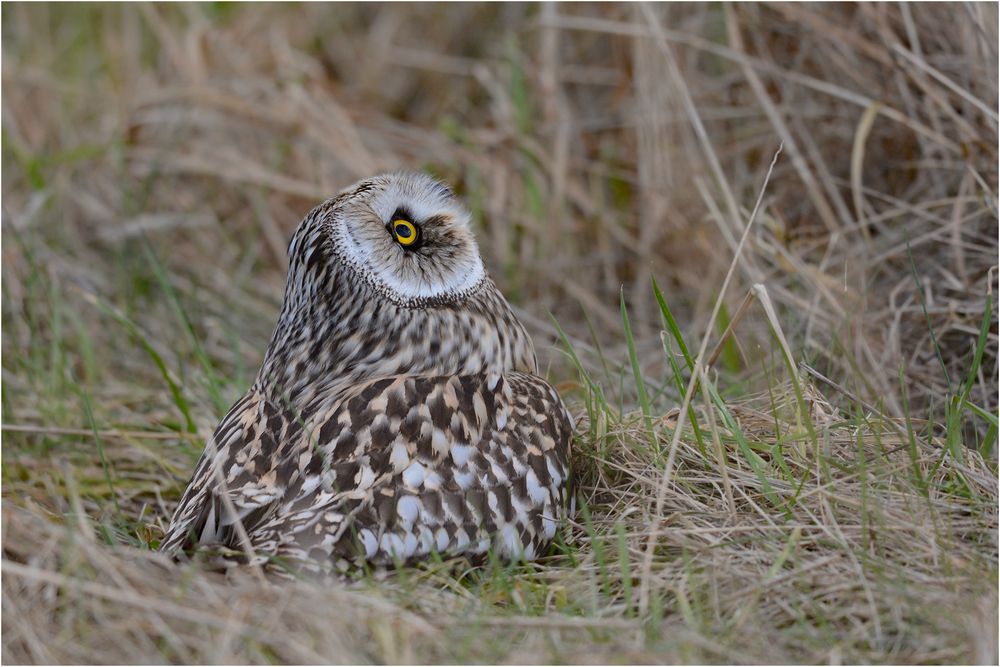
(397, 412)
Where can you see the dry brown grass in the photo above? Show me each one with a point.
(157, 157)
(838, 570)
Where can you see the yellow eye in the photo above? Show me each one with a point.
(404, 231)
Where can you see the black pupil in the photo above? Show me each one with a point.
(403, 231)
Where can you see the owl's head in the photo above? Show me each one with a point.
(404, 233)
(385, 279)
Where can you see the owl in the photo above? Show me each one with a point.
(398, 412)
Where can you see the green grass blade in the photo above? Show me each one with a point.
(675, 330)
(88, 411)
(625, 567)
(675, 369)
(757, 464)
(640, 386)
(927, 317)
(175, 389)
(212, 381)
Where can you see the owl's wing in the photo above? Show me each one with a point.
(244, 469)
(410, 466)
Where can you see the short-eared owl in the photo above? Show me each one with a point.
(397, 412)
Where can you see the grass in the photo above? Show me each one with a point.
(786, 430)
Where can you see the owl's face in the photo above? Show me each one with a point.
(408, 235)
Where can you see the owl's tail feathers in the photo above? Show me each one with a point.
(224, 524)
(308, 538)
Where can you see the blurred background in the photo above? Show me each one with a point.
(156, 158)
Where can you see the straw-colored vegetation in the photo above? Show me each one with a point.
(825, 492)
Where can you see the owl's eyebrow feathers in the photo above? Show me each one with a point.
(435, 220)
